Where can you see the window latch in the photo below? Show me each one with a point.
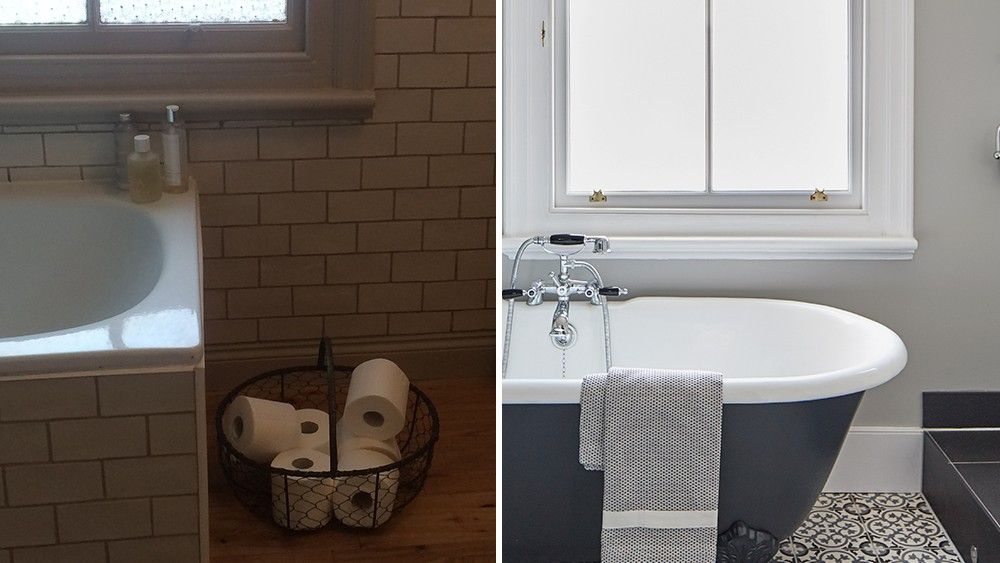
(598, 197)
(543, 33)
(818, 195)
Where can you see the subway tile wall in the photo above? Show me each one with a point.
(382, 228)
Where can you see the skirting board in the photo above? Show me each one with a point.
(878, 459)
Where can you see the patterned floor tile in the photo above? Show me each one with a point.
(870, 528)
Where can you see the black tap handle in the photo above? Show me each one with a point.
(566, 239)
(610, 291)
(512, 293)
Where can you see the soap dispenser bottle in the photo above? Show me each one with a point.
(145, 183)
(175, 179)
(124, 133)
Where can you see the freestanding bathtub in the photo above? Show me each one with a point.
(794, 374)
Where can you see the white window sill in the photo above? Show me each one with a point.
(744, 248)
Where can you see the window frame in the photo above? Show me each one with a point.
(317, 65)
(874, 222)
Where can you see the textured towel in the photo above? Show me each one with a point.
(656, 434)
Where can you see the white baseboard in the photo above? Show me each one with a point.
(879, 459)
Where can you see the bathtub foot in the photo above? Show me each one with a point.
(743, 544)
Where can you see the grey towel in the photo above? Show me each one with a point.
(656, 434)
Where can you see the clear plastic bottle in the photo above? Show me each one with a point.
(124, 134)
(175, 173)
(145, 182)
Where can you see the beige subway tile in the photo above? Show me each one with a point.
(480, 137)
(358, 268)
(230, 272)
(435, 7)
(254, 123)
(454, 295)
(419, 323)
(228, 209)
(484, 7)
(427, 203)
(146, 393)
(433, 71)
(423, 266)
(23, 442)
(389, 297)
(476, 319)
(465, 104)
(288, 208)
(323, 239)
(292, 142)
(166, 549)
(53, 482)
(173, 434)
(259, 176)
(222, 144)
(339, 174)
(21, 150)
(151, 476)
(466, 35)
(462, 170)
(386, 71)
(259, 302)
(292, 270)
(483, 69)
(476, 264)
(43, 128)
(45, 174)
(79, 148)
(214, 302)
(175, 515)
(430, 138)
(92, 552)
(291, 328)
(325, 299)
(211, 242)
(394, 172)
(255, 241)
(401, 105)
(356, 206)
(104, 520)
(362, 140)
(230, 331)
(479, 202)
(404, 35)
(208, 176)
(346, 326)
(98, 438)
(46, 399)
(27, 526)
(105, 172)
(389, 236)
(448, 234)
(386, 8)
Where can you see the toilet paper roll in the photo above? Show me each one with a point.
(347, 442)
(314, 430)
(376, 400)
(301, 503)
(357, 502)
(260, 429)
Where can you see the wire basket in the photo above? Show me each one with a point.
(303, 500)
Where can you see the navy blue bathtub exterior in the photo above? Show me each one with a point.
(776, 457)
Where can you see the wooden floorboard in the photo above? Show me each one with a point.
(453, 518)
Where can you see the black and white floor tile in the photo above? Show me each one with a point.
(869, 527)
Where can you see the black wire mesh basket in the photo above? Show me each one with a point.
(305, 499)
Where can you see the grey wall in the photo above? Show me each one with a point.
(945, 303)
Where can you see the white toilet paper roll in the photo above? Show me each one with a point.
(357, 502)
(301, 503)
(314, 430)
(347, 442)
(376, 400)
(259, 428)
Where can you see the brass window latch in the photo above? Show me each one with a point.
(598, 197)
(818, 195)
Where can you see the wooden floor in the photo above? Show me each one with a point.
(453, 518)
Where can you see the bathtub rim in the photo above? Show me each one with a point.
(784, 389)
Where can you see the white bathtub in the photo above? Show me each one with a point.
(90, 281)
(768, 351)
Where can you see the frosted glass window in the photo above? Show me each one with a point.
(42, 12)
(635, 95)
(780, 95)
(202, 11)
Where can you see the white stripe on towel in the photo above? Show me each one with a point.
(660, 519)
